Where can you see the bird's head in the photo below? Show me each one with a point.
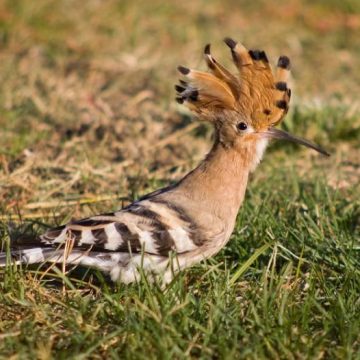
(246, 107)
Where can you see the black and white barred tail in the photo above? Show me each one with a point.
(119, 266)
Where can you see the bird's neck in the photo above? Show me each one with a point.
(218, 184)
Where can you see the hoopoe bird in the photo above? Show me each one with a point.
(180, 225)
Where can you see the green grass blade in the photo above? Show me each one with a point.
(248, 263)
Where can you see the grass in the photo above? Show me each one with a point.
(99, 77)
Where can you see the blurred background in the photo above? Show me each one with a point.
(87, 98)
(88, 121)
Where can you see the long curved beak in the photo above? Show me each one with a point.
(273, 133)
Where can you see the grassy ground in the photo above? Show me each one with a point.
(88, 122)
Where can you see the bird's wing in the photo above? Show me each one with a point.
(153, 225)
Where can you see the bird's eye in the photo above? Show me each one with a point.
(241, 126)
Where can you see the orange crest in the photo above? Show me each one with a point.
(255, 93)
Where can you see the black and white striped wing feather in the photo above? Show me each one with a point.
(152, 226)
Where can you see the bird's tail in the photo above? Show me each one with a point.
(121, 266)
(38, 255)
(28, 249)
(27, 256)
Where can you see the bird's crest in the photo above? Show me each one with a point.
(255, 92)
